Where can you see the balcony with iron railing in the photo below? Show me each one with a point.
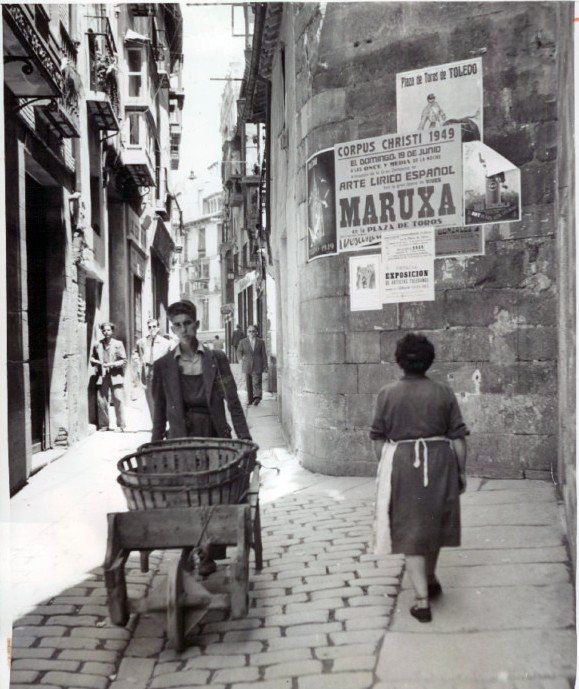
(103, 97)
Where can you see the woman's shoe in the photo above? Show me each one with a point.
(434, 589)
(421, 614)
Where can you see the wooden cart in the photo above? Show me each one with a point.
(152, 526)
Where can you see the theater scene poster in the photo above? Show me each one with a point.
(321, 204)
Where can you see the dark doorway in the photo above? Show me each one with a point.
(36, 251)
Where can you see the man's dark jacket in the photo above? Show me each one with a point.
(252, 360)
(219, 387)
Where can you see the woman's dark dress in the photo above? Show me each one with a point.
(422, 518)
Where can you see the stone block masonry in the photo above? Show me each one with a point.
(494, 321)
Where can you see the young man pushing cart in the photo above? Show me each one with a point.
(191, 384)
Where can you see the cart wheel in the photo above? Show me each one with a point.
(175, 610)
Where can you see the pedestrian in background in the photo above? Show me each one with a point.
(217, 344)
(236, 337)
(419, 438)
(148, 349)
(251, 351)
(110, 360)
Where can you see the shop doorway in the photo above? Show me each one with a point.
(36, 254)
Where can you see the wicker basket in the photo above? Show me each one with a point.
(187, 472)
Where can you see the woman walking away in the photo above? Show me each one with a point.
(419, 436)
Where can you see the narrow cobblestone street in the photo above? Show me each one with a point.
(325, 612)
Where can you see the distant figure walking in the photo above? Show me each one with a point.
(110, 360)
(217, 344)
(148, 349)
(419, 438)
(236, 337)
(251, 352)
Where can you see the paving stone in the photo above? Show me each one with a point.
(137, 670)
(73, 620)
(241, 647)
(99, 610)
(274, 657)
(285, 683)
(102, 633)
(293, 669)
(240, 674)
(181, 679)
(302, 641)
(55, 609)
(104, 669)
(354, 650)
(69, 680)
(263, 594)
(23, 641)
(365, 601)
(18, 653)
(369, 622)
(82, 600)
(301, 572)
(300, 618)
(530, 573)
(144, 648)
(164, 668)
(357, 637)
(324, 604)
(345, 592)
(65, 642)
(21, 676)
(383, 590)
(362, 612)
(282, 599)
(39, 632)
(269, 585)
(114, 644)
(100, 656)
(461, 556)
(314, 629)
(206, 662)
(354, 663)
(42, 664)
(337, 680)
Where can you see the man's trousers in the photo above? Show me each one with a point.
(253, 384)
(104, 390)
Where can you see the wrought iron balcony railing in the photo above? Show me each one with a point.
(103, 71)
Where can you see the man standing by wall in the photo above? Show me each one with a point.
(110, 359)
(251, 352)
(150, 348)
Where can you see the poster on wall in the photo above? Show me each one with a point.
(459, 241)
(321, 204)
(397, 181)
(407, 272)
(492, 186)
(365, 293)
(442, 95)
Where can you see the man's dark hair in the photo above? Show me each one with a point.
(104, 325)
(182, 308)
(414, 353)
(216, 337)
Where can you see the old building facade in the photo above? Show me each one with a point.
(249, 287)
(92, 95)
(502, 323)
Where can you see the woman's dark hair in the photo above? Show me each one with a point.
(182, 308)
(414, 353)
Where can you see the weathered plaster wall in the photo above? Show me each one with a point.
(566, 252)
(494, 322)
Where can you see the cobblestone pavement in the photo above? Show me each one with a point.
(324, 612)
